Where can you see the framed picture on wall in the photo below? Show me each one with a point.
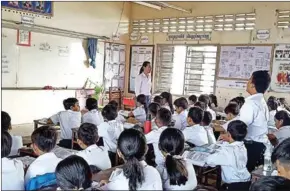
(23, 38)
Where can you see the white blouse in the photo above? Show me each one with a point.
(143, 85)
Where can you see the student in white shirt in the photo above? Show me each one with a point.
(167, 101)
(206, 121)
(6, 126)
(195, 133)
(153, 109)
(284, 105)
(93, 115)
(93, 154)
(205, 99)
(140, 112)
(43, 142)
(69, 119)
(111, 129)
(273, 106)
(255, 114)
(163, 119)
(176, 173)
(232, 157)
(201, 105)
(282, 122)
(158, 99)
(232, 111)
(192, 100)
(120, 117)
(12, 172)
(181, 106)
(135, 173)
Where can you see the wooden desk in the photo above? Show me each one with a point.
(104, 174)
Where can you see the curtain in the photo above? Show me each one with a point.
(92, 49)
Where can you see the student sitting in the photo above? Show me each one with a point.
(111, 129)
(158, 99)
(271, 183)
(176, 173)
(12, 170)
(192, 100)
(120, 117)
(135, 173)
(43, 142)
(201, 105)
(93, 154)
(140, 112)
(167, 101)
(153, 109)
(205, 99)
(195, 133)
(181, 106)
(232, 111)
(93, 115)
(282, 122)
(238, 100)
(163, 119)
(232, 157)
(73, 173)
(213, 104)
(206, 121)
(273, 106)
(6, 126)
(284, 105)
(71, 118)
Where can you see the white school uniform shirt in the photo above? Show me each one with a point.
(180, 120)
(140, 114)
(255, 114)
(196, 135)
(233, 161)
(12, 174)
(68, 120)
(212, 112)
(280, 108)
(191, 179)
(43, 164)
(143, 85)
(94, 117)
(282, 134)
(121, 118)
(118, 181)
(210, 135)
(153, 138)
(110, 131)
(17, 143)
(97, 156)
(271, 121)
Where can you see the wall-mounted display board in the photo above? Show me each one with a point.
(280, 81)
(138, 55)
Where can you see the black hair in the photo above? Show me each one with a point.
(65, 105)
(272, 104)
(157, 99)
(207, 118)
(200, 105)
(88, 134)
(70, 102)
(44, 138)
(168, 97)
(261, 79)
(164, 115)
(109, 112)
(232, 108)
(238, 130)
(73, 172)
(142, 99)
(193, 98)
(196, 114)
(5, 121)
(272, 98)
(145, 64)
(282, 152)
(283, 115)
(6, 144)
(204, 98)
(133, 147)
(271, 183)
(213, 99)
(171, 141)
(91, 103)
(181, 102)
(241, 100)
(153, 108)
(114, 103)
(284, 102)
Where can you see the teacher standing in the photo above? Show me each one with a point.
(143, 82)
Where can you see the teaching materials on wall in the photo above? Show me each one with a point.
(138, 55)
(239, 62)
(280, 81)
(235, 84)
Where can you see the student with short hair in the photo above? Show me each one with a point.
(120, 117)
(195, 133)
(141, 110)
(110, 129)
(153, 109)
(192, 100)
(238, 100)
(93, 115)
(232, 111)
(43, 142)
(232, 157)
(206, 121)
(205, 99)
(135, 173)
(167, 101)
(158, 99)
(163, 119)
(282, 122)
(271, 183)
(213, 101)
(200, 105)
(12, 170)
(273, 108)
(92, 153)
(176, 172)
(284, 105)
(6, 126)
(181, 106)
(69, 119)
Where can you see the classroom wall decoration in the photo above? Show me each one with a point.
(138, 55)
(280, 81)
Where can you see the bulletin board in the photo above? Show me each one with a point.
(138, 55)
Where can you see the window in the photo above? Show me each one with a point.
(185, 70)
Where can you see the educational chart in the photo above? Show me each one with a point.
(281, 69)
(239, 62)
(139, 54)
(233, 84)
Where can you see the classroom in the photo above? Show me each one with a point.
(145, 95)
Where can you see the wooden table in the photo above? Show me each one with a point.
(104, 174)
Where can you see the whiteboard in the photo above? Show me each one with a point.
(51, 60)
(239, 62)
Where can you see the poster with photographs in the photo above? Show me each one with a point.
(281, 69)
